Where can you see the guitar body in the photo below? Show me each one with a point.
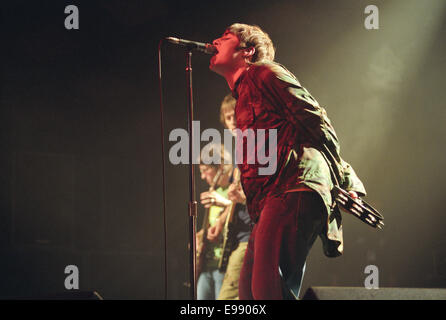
(228, 236)
(228, 246)
(202, 243)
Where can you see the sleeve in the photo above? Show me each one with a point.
(291, 101)
(310, 120)
(352, 181)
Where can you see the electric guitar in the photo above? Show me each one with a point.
(202, 245)
(228, 245)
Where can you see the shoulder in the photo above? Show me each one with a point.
(262, 71)
(271, 72)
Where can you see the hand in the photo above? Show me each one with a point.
(343, 200)
(199, 236)
(236, 194)
(214, 231)
(355, 196)
(213, 198)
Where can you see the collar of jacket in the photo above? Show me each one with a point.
(237, 83)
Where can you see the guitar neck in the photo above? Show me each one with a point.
(236, 181)
(205, 224)
(229, 218)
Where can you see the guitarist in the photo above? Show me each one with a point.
(235, 218)
(209, 249)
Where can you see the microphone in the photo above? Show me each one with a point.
(203, 47)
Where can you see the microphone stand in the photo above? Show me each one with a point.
(192, 201)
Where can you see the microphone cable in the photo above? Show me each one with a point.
(163, 168)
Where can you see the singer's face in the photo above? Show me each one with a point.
(229, 56)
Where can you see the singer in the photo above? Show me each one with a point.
(292, 206)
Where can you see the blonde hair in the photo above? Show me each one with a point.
(215, 149)
(254, 36)
(228, 104)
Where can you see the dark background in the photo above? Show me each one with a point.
(80, 171)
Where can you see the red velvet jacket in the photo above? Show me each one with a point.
(270, 97)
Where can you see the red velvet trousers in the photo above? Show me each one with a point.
(289, 224)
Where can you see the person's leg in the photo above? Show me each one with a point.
(229, 289)
(205, 288)
(218, 280)
(245, 281)
(286, 227)
(309, 223)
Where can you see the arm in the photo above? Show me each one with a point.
(213, 198)
(235, 195)
(351, 180)
(310, 120)
(215, 230)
